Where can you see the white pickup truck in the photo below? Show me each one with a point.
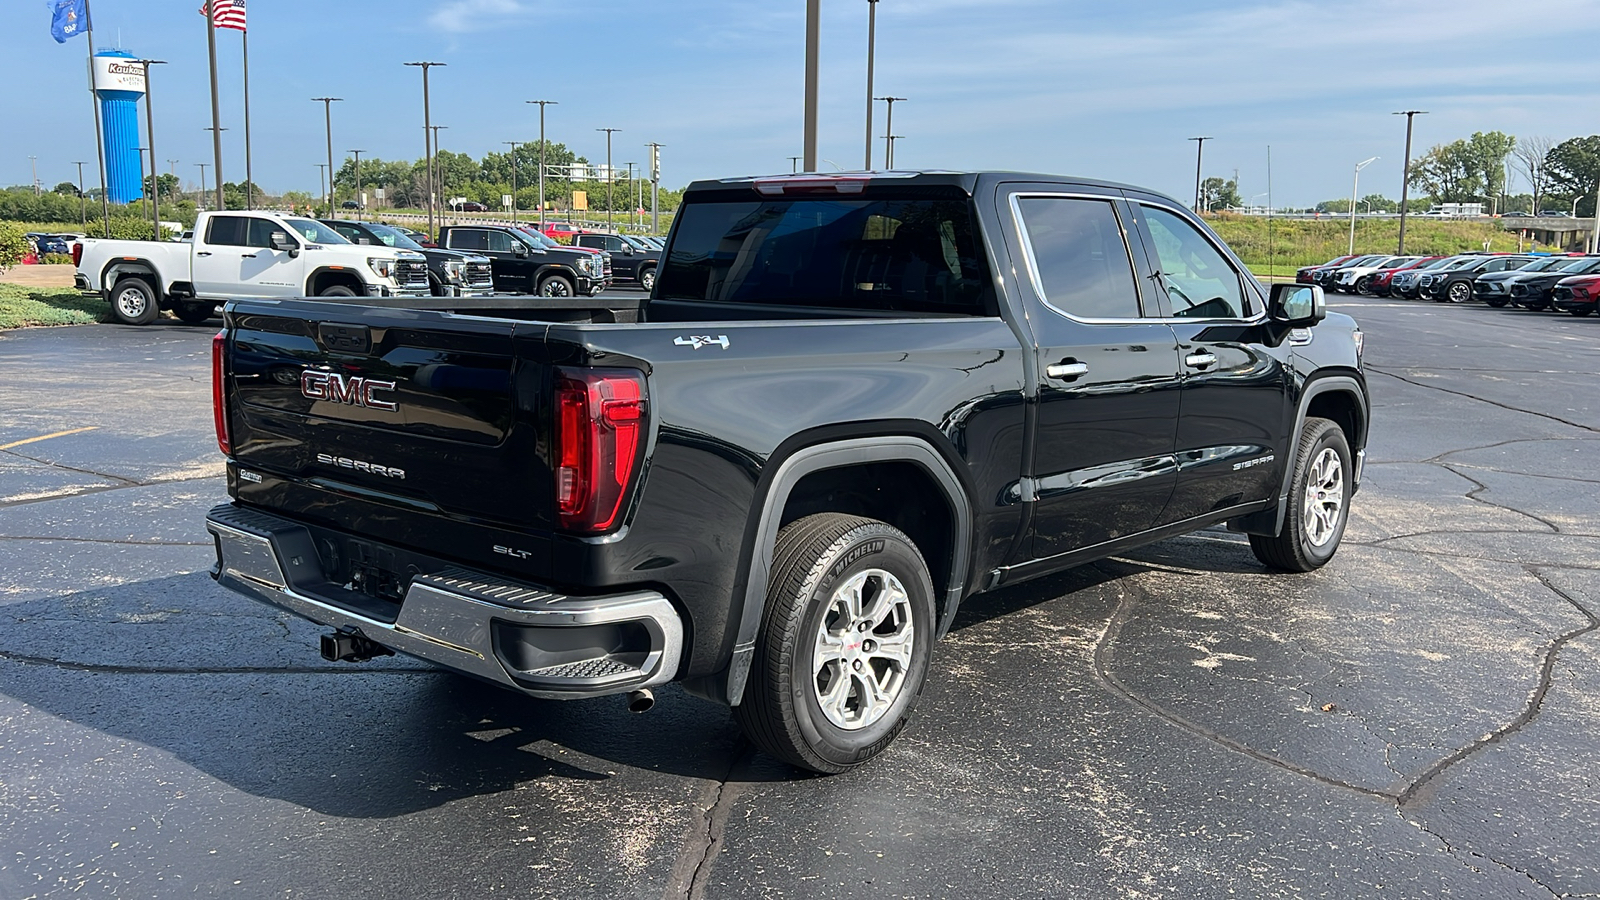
(241, 254)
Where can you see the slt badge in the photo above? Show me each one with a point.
(702, 340)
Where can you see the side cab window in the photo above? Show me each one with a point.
(467, 239)
(1200, 281)
(228, 231)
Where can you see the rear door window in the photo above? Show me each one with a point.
(468, 239)
(1079, 257)
(229, 231)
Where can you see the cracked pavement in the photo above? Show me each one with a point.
(1415, 720)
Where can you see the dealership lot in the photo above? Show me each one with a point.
(1414, 720)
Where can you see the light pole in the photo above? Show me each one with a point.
(513, 178)
(1355, 189)
(631, 213)
(813, 40)
(322, 178)
(1199, 151)
(149, 138)
(327, 113)
(427, 136)
(35, 161)
(891, 138)
(1405, 176)
(542, 104)
(872, 39)
(361, 205)
(438, 172)
(794, 164)
(202, 180)
(655, 187)
(83, 203)
(888, 129)
(610, 174)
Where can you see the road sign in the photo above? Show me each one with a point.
(580, 200)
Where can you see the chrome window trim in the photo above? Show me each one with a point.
(1252, 320)
(1033, 262)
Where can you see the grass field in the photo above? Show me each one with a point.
(22, 306)
(1303, 242)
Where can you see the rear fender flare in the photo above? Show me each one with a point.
(832, 455)
(118, 268)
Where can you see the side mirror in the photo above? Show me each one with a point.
(1297, 305)
(627, 250)
(521, 250)
(282, 241)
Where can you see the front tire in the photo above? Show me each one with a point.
(1319, 502)
(337, 290)
(556, 286)
(1364, 285)
(134, 302)
(844, 645)
(1581, 311)
(647, 279)
(1460, 292)
(1497, 303)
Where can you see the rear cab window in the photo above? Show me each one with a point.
(914, 251)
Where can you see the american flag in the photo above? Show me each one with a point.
(226, 13)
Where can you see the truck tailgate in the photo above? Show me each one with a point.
(420, 412)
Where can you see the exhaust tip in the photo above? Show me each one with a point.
(641, 700)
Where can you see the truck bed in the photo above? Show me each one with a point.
(519, 307)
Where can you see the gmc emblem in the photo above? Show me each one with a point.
(354, 391)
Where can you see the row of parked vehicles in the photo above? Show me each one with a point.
(1568, 282)
(265, 254)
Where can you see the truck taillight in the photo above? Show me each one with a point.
(599, 425)
(77, 253)
(219, 411)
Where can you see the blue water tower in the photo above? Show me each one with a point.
(119, 83)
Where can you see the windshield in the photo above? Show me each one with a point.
(1584, 266)
(635, 243)
(1436, 263)
(1556, 263)
(316, 232)
(1465, 262)
(542, 238)
(917, 252)
(394, 237)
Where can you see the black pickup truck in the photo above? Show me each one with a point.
(633, 260)
(850, 403)
(523, 265)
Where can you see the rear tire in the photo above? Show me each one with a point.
(1497, 303)
(844, 645)
(1364, 285)
(1319, 502)
(195, 312)
(556, 286)
(134, 302)
(1460, 292)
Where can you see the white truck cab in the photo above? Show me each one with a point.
(242, 254)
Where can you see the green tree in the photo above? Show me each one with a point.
(1464, 171)
(1574, 169)
(1216, 194)
(67, 188)
(167, 184)
(13, 246)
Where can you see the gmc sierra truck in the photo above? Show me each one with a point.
(850, 403)
(241, 254)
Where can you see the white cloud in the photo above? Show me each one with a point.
(461, 16)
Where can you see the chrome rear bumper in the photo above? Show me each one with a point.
(538, 642)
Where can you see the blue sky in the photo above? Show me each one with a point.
(1108, 90)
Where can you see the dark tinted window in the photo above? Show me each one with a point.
(911, 254)
(227, 230)
(499, 241)
(259, 234)
(468, 239)
(1199, 281)
(1080, 257)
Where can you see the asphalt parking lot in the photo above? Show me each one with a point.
(1417, 719)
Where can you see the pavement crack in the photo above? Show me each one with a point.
(692, 871)
(1480, 487)
(1456, 853)
(1535, 703)
(66, 495)
(56, 465)
(124, 542)
(1509, 408)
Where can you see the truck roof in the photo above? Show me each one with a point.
(964, 180)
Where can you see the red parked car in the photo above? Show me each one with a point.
(1577, 295)
(1380, 280)
(559, 230)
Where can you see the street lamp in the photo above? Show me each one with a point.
(794, 164)
(872, 40)
(150, 138)
(1405, 176)
(1254, 196)
(1355, 189)
(360, 203)
(437, 172)
(322, 179)
(542, 105)
(888, 129)
(327, 112)
(1199, 150)
(202, 182)
(610, 175)
(891, 138)
(83, 203)
(513, 178)
(427, 136)
(655, 186)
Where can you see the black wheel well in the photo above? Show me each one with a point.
(321, 281)
(1340, 407)
(902, 494)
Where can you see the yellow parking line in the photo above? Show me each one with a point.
(46, 437)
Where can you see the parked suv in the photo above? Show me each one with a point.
(1577, 295)
(524, 266)
(1454, 284)
(631, 260)
(1533, 291)
(451, 273)
(1494, 288)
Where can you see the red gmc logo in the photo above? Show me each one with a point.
(353, 391)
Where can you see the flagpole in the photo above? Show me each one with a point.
(216, 106)
(99, 132)
(250, 181)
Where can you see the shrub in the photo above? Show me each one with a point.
(57, 259)
(13, 245)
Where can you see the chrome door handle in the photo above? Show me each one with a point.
(202, 253)
(247, 256)
(1067, 371)
(1200, 360)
